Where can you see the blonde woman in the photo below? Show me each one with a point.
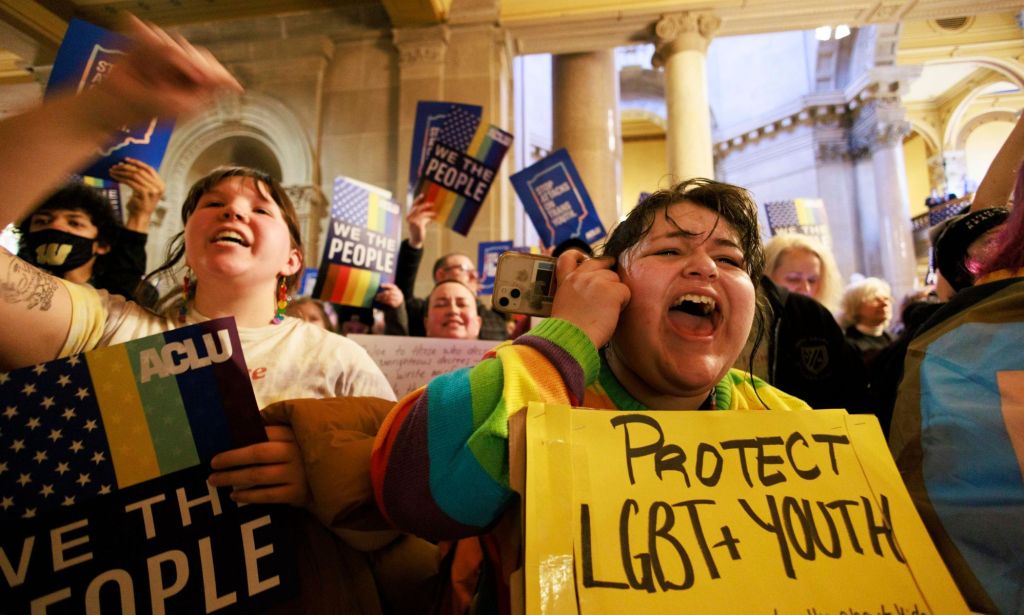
(803, 265)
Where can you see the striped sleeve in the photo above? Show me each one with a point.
(440, 462)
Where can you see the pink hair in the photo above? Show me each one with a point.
(1009, 250)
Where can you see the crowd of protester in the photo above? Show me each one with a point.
(683, 306)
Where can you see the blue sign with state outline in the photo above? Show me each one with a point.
(88, 55)
(556, 200)
(487, 262)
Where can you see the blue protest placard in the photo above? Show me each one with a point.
(109, 189)
(308, 281)
(361, 251)
(430, 116)
(554, 197)
(487, 261)
(461, 167)
(103, 493)
(87, 56)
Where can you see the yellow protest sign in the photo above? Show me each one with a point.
(722, 512)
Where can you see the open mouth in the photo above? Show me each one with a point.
(230, 237)
(695, 315)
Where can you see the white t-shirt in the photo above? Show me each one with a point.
(290, 360)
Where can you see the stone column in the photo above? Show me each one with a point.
(421, 65)
(585, 105)
(838, 189)
(311, 207)
(883, 128)
(682, 44)
(897, 235)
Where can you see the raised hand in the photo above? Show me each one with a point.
(390, 295)
(589, 295)
(147, 189)
(162, 76)
(420, 214)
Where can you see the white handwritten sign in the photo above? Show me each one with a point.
(410, 362)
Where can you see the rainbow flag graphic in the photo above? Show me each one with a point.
(88, 425)
(459, 188)
(362, 244)
(804, 216)
(109, 188)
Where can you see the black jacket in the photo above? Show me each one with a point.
(808, 355)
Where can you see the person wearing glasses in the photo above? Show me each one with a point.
(454, 266)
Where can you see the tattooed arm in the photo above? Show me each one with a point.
(35, 309)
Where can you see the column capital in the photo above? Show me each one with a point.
(420, 47)
(881, 123)
(684, 31)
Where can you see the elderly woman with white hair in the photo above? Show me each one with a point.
(866, 313)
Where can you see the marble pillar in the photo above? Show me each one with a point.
(421, 66)
(896, 234)
(682, 43)
(585, 105)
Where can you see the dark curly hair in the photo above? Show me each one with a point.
(731, 203)
(77, 197)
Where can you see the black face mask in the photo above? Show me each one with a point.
(57, 251)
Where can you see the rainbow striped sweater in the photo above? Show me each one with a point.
(440, 461)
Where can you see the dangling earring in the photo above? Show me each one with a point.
(188, 292)
(282, 302)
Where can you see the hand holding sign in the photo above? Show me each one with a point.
(147, 189)
(264, 473)
(420, 214)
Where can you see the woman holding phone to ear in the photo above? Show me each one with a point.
(656, 321)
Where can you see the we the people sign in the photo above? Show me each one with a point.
(722, 512)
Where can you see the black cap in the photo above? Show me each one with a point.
(960, 232)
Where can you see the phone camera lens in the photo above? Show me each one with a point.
(515, 293)
(503, 301)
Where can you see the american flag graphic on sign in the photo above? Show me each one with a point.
(85, 426)
(803, 216)
(351, 274)
(480, 148)
(108, 453)
(54, 451)
(459, 128)
(350, 202)
(947, 210)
